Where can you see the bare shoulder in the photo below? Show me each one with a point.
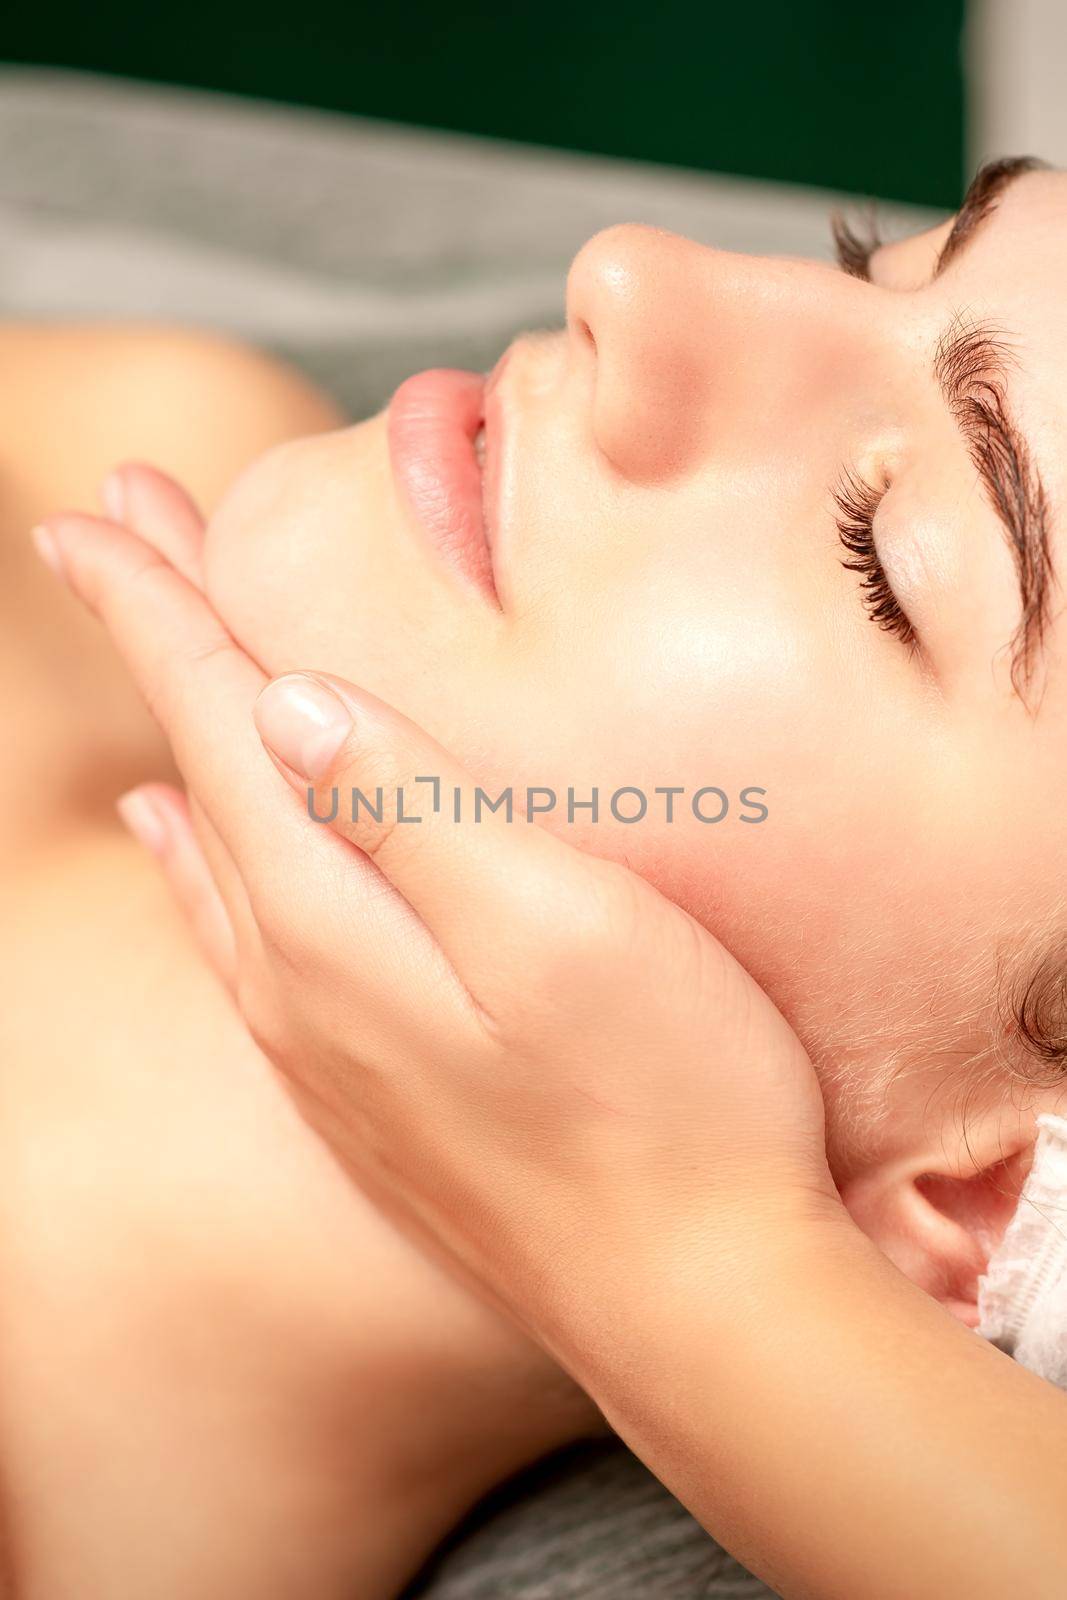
(77, 397)
(74, 401)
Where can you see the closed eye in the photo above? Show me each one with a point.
(856, 503)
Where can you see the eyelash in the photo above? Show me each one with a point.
(855, 240)
(856, 502)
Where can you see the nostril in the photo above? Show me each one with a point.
(585, 333)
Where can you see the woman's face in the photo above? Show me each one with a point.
(672, 607)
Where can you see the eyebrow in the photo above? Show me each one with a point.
(985, 189)
(971, 365)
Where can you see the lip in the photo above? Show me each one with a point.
(433, 420)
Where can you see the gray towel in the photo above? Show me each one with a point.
(359, 250)
(589, 1524)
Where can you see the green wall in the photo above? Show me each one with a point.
(855, 96)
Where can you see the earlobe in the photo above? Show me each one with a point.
(940, 1222)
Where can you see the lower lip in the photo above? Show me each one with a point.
(433, 420)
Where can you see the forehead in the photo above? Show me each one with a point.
(1013, 272)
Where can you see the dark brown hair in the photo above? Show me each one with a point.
(1038, 1017)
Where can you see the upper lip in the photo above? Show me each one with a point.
(494, 427)
(433, 420)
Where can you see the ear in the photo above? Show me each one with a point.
(939, 1214)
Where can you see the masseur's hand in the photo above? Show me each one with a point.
(527, 1051)
(569, 1085)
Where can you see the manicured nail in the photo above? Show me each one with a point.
(113, 494)
(144, 820)
(303, 722)
(47, 546)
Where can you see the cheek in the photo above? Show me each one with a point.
(671, 680)
(306, 565)
(678, 635)
(261, 551)
(656, 683)
(639, 664)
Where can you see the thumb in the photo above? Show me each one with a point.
(470, 862)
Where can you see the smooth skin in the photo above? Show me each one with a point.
(531, 1058)
(223, 1372)
(674, 609)
(688, 626)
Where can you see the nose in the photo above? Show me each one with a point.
(687, 345)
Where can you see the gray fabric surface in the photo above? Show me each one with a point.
(591, 1524)
(361, 251)
(364, 252)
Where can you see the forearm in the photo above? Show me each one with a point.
(841, 1434)
(554, 1045)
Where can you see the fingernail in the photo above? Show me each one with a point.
(303, 722)
(113, 494)
(47, 546)
(143, 819)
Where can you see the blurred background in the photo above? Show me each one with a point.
(885, 101)
(350, 181)
(847, 96)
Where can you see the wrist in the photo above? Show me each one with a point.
(637, 1295)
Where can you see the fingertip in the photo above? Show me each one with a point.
(158, 817)
(303, 723)
(126, 481)
(143, 817)
(145, 501)
(47, 547)
(113, 495)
